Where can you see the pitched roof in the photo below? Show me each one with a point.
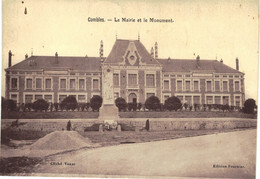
(183, 65)
(119, 50)
(91, 64)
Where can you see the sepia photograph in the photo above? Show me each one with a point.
(129, 89)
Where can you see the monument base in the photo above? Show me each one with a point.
(108, 112)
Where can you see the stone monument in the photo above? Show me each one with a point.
(108, 110)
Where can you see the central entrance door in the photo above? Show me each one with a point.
(132, 98)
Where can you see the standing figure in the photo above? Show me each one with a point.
(68, 126)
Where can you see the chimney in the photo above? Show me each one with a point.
(156, 50)
(198, 61)
(101, 49)
(26, 56)
(10, 59)
(152, 53)
(56, 58)
(237, 64)
(221, 61)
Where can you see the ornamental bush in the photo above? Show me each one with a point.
(96, 102)
(152, 103)
(249, 106)
(40, 105)
(121, 104)
(172, 103)
(69, 103)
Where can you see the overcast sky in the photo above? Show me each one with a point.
(211, 29)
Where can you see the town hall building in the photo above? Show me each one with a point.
(137, 75)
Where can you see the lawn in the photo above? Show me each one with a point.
(138, 114)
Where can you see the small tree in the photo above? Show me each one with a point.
(249, 106)
(69, 103)
(40, 105)
(172, 103)
(152, 103)
(121, 104)
(96, 102)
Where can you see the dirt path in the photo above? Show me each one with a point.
(193, 157)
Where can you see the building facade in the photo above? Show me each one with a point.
(137, 75)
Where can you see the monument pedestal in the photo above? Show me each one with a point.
(108, 112)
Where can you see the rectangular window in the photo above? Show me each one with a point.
(14, 83)
(188, 99)
(149, 95)
(217, 99)
(95, 84)
(196, 85)
(179, 85)
(225, 86)
(81, 84)
(209, 100)
(62, 97)
(187, 84)
(72, 83)
(28, 83)
(208, 85)
(237, 101)
(14, 97)
(237, 86)
(82, 98)
(225, 100)
(38, 83)
(38, 96)
(132, 79)
(166, 84)
(217, 86)
(63, 84)
(116, 79)
(150, 80)
(196, 99)
(48, 83)
(28, 98)
(48, 98)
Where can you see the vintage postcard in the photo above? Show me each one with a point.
(131, 89)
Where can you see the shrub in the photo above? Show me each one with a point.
(129, 106)
(83, 106)
(96, 102)
(139, 106)
(69, 103)
(249, 106)
(152, 103)
(28, 106)
(172, 103)
(121, 104)
(225, 107)
(8, 104)
(40, 105)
